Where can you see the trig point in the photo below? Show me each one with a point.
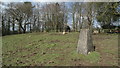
(85, 44)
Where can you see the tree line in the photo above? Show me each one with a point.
(22, 17)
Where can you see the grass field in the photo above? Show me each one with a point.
(55, 49)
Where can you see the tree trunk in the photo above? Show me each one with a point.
(19, 30)
(3, 27)
(73, 22)
(13, 27)
(20, 24)
(30, 28)
(8, 27)
(23, 29)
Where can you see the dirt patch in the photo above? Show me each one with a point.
(107, 58)
(54, 41)
(56, 34)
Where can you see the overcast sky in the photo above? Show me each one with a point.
(16, 0)
(60, 0)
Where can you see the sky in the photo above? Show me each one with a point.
(16, 0)
(60, 0)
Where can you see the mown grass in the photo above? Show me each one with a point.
(55, 49)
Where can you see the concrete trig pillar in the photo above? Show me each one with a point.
(85, 43)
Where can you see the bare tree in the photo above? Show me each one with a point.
(20, 12)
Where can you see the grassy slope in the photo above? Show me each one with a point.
(55, 49)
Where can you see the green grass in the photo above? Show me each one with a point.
(55, 49)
